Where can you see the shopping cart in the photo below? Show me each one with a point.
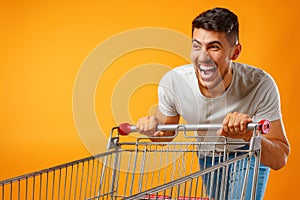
(195, 167)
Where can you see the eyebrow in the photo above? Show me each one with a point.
(212, 42)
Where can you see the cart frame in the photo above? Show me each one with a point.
(127, 169)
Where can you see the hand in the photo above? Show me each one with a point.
(147, 126)
(235, 126)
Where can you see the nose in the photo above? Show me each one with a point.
(202, 56)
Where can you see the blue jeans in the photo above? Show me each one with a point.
(233, 176)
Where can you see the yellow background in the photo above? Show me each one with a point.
(44, 43)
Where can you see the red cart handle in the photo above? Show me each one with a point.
(264, 126)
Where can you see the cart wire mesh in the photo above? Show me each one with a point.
(144, 169)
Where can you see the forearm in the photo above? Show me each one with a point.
(274, 153)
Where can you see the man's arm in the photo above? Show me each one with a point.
(274, 145)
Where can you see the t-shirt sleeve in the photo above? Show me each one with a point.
(269, 101)
(166, 97)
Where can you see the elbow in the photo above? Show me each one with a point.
(279, 165)
(282, 160)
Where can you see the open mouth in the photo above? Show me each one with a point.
(207, 71)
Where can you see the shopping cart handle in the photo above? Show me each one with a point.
(264, 126)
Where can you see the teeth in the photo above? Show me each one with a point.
(207, 68)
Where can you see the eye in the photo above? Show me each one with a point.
(196, 46)
(214, 47)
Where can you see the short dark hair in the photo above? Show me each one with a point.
(221, 20)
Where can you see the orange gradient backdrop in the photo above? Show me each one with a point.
(44, 44)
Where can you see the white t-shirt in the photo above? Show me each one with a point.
(252, 91)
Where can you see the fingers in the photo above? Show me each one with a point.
(235, 124)
(147, 125)
(159, 134)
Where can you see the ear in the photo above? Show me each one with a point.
(236, 51)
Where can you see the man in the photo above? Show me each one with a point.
(214, 89)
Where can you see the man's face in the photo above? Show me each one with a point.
(211, 55)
